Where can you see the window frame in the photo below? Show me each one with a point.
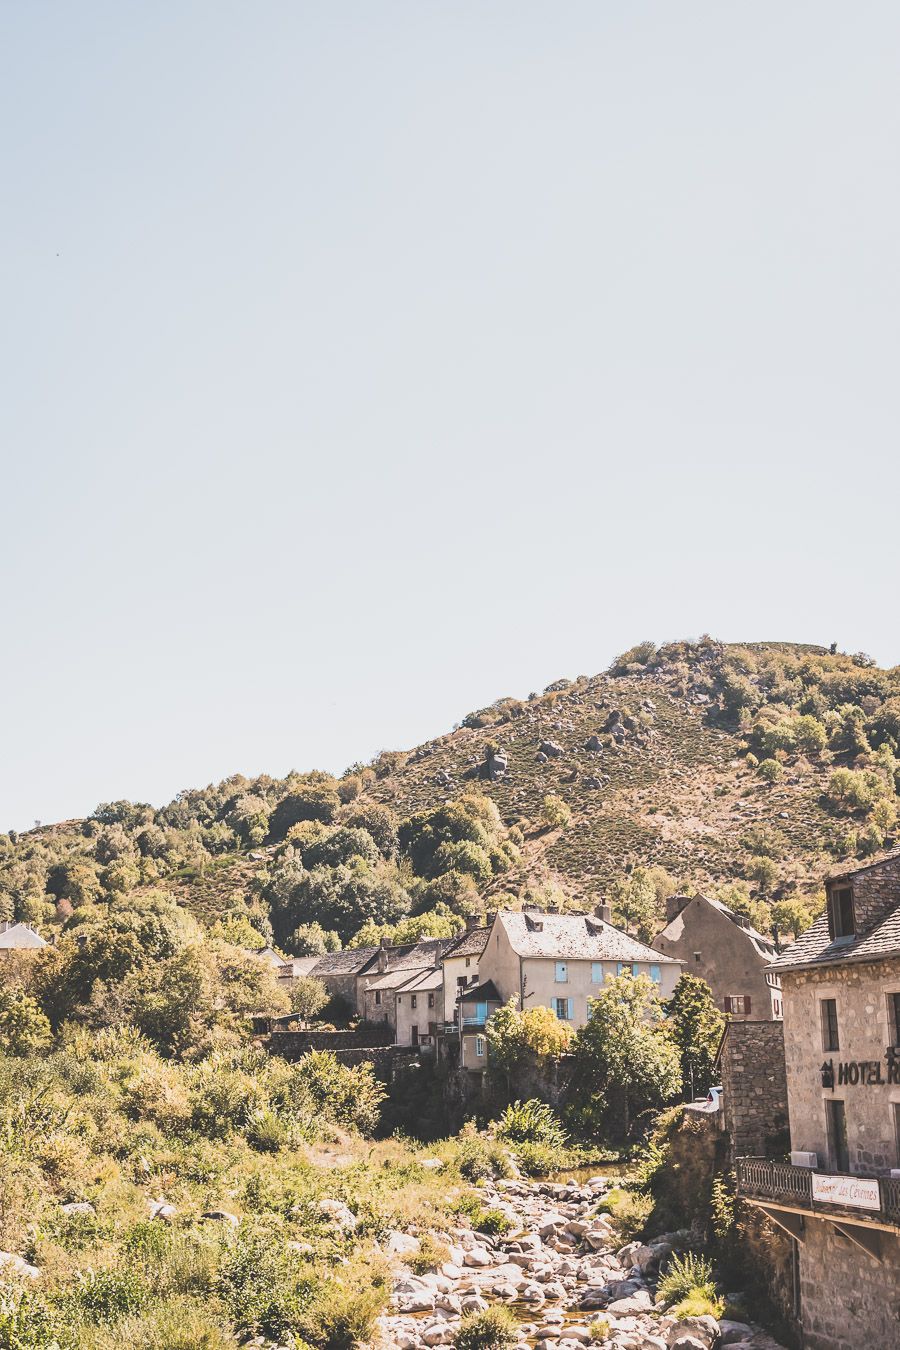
(830, 1024)
(838, 1144)
(595, 967)
(480, 1047)
(893, 1009)
(841, 930)
(563, 978)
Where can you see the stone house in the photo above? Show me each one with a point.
(723, 948)
(839, 1198)
(340, 971)
(561, 961)
(474, 1007)
(460, 966)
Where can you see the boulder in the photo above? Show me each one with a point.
(732, 1333)
(593, 743)
(552, 749)
(220, 1216)
(401, 1244)
(339, 1214)
(632, 1305)
(161, 1209)
(693, 1331)
(478, 1257)
(78, 1207)
(432, 1164)
(17, 1265)
(549, 1223)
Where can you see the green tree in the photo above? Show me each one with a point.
(792, 915)
(696, 1025)
(555, 813)
(24, 1028)
(316, 801)
(308, 997)
(626, 1061)
(637, 905)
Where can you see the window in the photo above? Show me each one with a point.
(461, 981)
(843, 920)
(737, 1004)
(626, 968)
(413, 1000)
(468, 960)
(377, 998)
(562, 972)
(836, 1126)
(830, 1037)
(431, 1000)
(655, 974)
(479, 1046)
(596, 972)
(894, 1018)
(696, 958)
(414, 1035)
(895, 1110)
(564, 1008)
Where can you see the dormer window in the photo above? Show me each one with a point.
(841, 914)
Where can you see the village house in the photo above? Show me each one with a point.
(562, 961)
(723, 948)
(839, 1197)
(19, 937)
(411, 1002)
(340, 972)
(460, 963)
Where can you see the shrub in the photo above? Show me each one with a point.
(478, 1158)
(26, 1322)
(262, 1287)
(690, 1274)
(600, 1329)
(629, 1211)
(109, 1295)
(531, 1122)
(770, 771)
(343, 1314)
(24, 1029)
(697, 1304)
(554, 812)
(492, 1221)
(494, 1329)
(430, 1256)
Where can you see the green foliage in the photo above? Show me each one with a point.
(770, 771)
(639, 900)
(696, 1027)
(348, 1096)
(263, 1287)
(316, 801)
(629, 1211)
(555, 813)
(639, 656)
(430, 1256)
(108, 1295)
(512, 1035)
(308, 996)
(24, 1028)
(492, 1221)
(626, 1060)
(531, 1122)
(494, 1329)
(687, 1276)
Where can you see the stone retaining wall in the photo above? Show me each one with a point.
(754, 1083)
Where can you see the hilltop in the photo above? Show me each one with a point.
(747, 769)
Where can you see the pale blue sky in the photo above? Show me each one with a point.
(363, 362)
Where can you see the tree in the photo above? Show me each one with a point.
(316, 801)
(311, 939)
(792, 915)
(308, 997)
(512, 1035)
(377, 820)
(24, 1028)
(636, 904)
(555, 813)
(696, 1026)
(625, 1058)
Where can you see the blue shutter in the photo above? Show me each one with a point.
(596, 972)
(571, 1010)
(481, 1012)
(655, 974)
(620, 966)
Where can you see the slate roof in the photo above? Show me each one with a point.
(296, 966)
(470, 944)
(481, 993)
(426, 979)
(19, 937)
(398, 979)
(349, 962)
(412, 956)
(815, 947)
(574, 937)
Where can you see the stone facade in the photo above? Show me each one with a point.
(876, 890)
(754, 1082)
(861, 992)
(848, 1299)
(722, 948)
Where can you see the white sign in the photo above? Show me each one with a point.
(857, 1192)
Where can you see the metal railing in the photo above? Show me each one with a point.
(783, 1183)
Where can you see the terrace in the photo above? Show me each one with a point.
(858, 1206)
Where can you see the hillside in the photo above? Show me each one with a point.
(754, 767)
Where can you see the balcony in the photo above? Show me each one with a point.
(860, 1205)
(467, 1024)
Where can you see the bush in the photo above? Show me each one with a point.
(109, 1295)
(686, 1275)
(343, 1315)
(492, 1221)
(262, 1287)
(770, 771)
(430, 1256)
(554, 812)
(26, 1323)
(494, 1329)
(629, 1211)
(531, 1122)
(600, 1329)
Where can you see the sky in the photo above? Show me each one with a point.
(363, 362)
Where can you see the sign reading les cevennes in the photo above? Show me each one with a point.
(857, 1192)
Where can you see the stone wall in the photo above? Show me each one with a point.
(720, 951)
(860, 991)
(754, 1084)
(294, 1044)
(848, 1299)
(876, 890)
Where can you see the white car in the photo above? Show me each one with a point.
(714, 1099)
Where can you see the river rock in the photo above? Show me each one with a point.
(17, 1265)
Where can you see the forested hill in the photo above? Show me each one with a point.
(749, 770)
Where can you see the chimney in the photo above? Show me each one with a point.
(674, 905)
(382, 956)
(604, 912)
(473, 921)
(490, 917)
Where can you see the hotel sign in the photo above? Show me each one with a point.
(854, 1192)
(861, 1073)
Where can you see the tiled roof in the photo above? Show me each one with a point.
(425, 979)
(412, 956)
(481, 993)
(299, 965)
(470, 944)
(19, 936)
(574, 937)
(349, 962)
(398, 979)
(816, 948)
